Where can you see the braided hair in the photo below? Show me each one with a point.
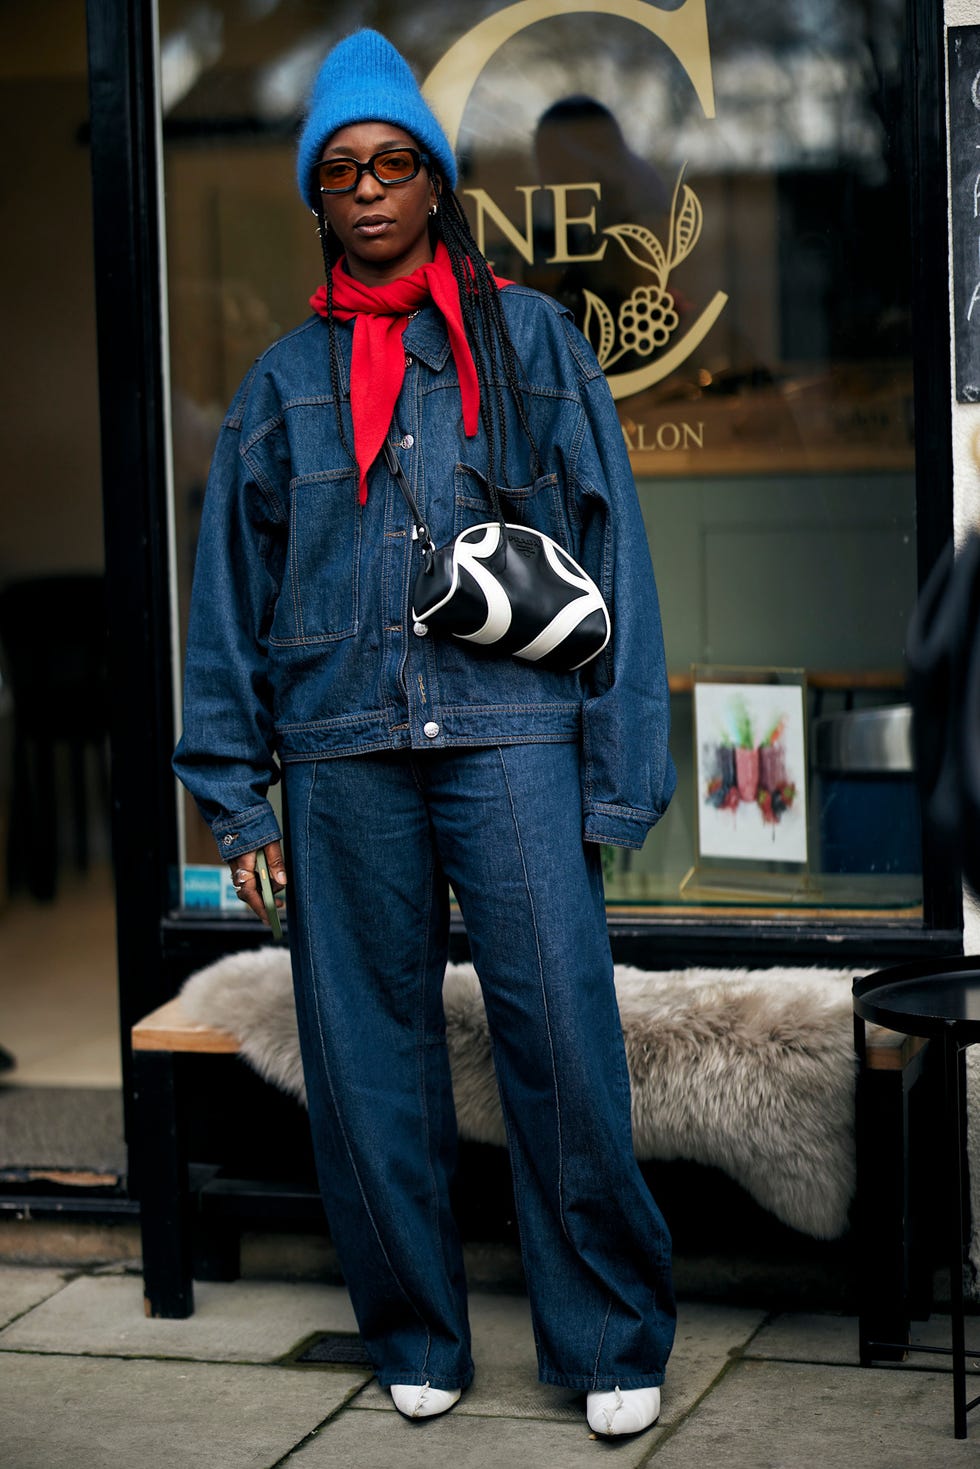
(498, 367)
(331, 250)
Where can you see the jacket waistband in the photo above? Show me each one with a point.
(461, 724)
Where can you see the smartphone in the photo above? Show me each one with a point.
(268, 897)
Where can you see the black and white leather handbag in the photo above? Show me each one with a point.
(507, 588)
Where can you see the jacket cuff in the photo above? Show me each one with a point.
(618, 826)
(246, 831)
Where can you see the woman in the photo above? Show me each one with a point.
(413, 764)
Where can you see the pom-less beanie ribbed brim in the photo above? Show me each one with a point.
(364, 79)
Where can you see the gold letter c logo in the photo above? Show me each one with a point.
(684, 31)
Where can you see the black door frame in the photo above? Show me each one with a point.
(129, 306)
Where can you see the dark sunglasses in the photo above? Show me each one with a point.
(390, 166)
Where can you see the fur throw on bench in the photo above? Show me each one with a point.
(750, 1071)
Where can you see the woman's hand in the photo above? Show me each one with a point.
(246, 882)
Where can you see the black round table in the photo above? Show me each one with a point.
(938, 999)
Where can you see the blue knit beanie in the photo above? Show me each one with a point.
(364, 79)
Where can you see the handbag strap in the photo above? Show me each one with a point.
(421, 529)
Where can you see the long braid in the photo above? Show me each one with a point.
(467, 273)
(485, 318)
(333, 349)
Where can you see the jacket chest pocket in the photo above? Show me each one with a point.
(538, 505)
(318, 597)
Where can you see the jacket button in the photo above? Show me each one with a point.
(430, 730)
(229, 840)
(409, 359)
(408, 441)
(420, 629)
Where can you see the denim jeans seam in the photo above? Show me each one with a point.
(413, 765)
(544, 997)
(329, 1080)
(421, 1050)
(602, 1338)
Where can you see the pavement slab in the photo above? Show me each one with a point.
(708, 1337)
(104, 1413)
(235, 1321)
(22, 1288)
(781, 1415)
(463, 1441)
(834, 1339)
(506, 1382)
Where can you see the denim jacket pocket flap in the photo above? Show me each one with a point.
(318, 599)
(538, 504)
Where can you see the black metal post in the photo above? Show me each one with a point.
(129, 306)
(925, 81)
(953, 1069)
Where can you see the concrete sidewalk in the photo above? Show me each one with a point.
(86, 1381)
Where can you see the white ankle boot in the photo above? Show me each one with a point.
(423, 1401)
(617, 1412)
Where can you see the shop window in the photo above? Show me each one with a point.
(718, 193)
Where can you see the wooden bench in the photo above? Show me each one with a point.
(891, 1066)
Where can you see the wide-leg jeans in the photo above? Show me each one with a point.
(375, 841)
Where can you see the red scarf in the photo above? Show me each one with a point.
(381, 315)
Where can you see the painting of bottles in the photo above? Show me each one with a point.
(751, 771)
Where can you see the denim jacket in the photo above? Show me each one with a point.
(301, 644)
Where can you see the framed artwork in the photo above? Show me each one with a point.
(750, 766)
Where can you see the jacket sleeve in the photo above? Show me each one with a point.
(225, 756)
(629, 775)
